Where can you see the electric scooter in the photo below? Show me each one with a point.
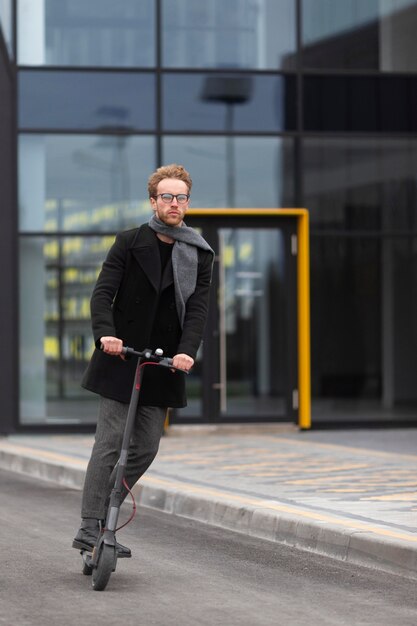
(103, 560)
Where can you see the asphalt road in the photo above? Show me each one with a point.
(182, 573)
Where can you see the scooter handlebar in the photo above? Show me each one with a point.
(154, 357)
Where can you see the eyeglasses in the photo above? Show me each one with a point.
(167, 198)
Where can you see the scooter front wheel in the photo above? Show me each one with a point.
(105, 566)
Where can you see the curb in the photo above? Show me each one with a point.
(359, 547)
(272, 521)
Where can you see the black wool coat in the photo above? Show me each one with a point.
(134, 301)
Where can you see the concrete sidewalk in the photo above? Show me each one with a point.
(351, 495)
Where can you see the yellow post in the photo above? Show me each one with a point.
(166, 423)
(303, 290)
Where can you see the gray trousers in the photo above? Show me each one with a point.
(144, 444)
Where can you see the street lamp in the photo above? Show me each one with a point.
(228, 90)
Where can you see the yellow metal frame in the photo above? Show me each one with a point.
(303, 295)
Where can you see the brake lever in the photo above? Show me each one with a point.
(167, 362)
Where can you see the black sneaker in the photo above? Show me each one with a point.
(86, 538)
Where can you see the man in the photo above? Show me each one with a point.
(152, 292)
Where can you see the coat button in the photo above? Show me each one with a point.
(170, 328)
(137, 300)
(172, 305)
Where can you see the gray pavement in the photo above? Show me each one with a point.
(348, 494)
(182, 573)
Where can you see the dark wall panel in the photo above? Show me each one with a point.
(8, 257)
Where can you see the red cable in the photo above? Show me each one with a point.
(143, 365)
(133, 507)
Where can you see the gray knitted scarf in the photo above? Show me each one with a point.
(184, 259)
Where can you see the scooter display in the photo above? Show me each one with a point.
(103, 560)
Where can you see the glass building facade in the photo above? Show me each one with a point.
(269, 103)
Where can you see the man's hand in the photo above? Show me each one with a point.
(183, 362)
(112, 345)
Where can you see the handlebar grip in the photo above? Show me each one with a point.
(125, 349)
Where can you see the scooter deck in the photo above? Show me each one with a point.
(84, 547)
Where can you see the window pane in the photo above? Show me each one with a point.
(57, 276)
(229, 102)
(360, 103)
(83, 183)
(249, 34)
(93, 33)
(399, 279)
(374, 34)
(6, 23)
(86, 100)
(239, 172)
(346, 350)
(364, 340)
(361, 184)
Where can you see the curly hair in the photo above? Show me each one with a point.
(168, 171)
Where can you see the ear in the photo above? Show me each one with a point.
(153, 203)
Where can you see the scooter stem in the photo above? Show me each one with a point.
(116, 493)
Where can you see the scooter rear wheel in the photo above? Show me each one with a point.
(105, 566)
(87, 570)
(87, 567)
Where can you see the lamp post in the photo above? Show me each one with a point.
(230, 91)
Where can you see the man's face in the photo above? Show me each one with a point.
(172, 212)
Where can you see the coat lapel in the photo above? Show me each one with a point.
(146, 253)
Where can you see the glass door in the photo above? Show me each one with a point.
(247, 367)
(255, 365)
